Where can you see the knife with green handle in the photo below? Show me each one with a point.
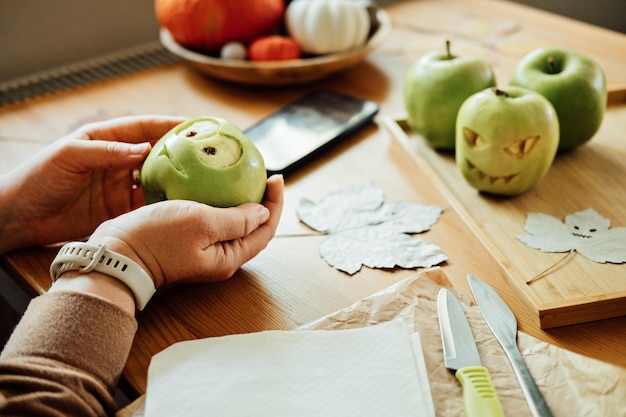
(460, 355)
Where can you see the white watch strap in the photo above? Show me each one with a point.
(83, 257)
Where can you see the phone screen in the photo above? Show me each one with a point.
(304, 127)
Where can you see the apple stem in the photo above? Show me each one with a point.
(448, 49)
(499, 92)
(552, 65)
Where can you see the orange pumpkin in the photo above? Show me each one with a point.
(209, 24)
(274, 48)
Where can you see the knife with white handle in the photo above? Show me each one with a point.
(460, 355)
(503, 325)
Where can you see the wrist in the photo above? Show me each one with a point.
(122, 247)
(87, 257)
(99, 285)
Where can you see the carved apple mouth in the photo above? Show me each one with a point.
(506, 179)
(170, 158)
(581, 235)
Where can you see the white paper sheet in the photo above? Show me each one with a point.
(370, 371)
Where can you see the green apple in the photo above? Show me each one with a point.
(206, 159)
(435, 86)
(506, 139)
(574, 84)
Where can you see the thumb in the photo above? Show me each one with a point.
(100, 154)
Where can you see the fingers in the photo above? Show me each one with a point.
(247, 246)
(118, 143)
(274, 199)
(238, 222)
(244, 231)
(246, 219)
(86, 155)
(129, 129)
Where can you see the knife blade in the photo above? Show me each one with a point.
(461, 356)
(503, 325)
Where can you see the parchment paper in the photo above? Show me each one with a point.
(572, 384)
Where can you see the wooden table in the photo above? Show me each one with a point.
(288, 284)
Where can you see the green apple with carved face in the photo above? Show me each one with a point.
(206, 159)
(506, 139)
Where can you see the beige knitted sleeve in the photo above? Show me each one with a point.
(66, 355)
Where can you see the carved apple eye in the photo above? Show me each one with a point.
(521, 148)
(473, 139)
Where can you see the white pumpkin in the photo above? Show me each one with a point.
(327, 26)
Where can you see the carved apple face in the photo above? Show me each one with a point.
(506, 140)
(208, 160)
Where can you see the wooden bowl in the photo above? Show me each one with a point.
(290, 72)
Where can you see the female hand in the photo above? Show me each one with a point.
(183, 241)
(68, 189)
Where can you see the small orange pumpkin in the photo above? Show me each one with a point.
(207, 25)
(274, 48)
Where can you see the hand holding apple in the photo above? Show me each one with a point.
(506, 139)
(435, 87)
(208, 160)
(573, 83)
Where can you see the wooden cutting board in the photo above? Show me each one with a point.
(558, 289)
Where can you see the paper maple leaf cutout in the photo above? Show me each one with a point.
(585, 232)
(364, 230)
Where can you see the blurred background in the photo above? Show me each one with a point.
(36, 35)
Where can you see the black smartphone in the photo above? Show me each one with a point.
(303, 128)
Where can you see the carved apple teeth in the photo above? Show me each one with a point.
(492, 178)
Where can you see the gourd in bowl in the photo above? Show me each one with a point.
(327, 26)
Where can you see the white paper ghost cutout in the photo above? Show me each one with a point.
(585, 232)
